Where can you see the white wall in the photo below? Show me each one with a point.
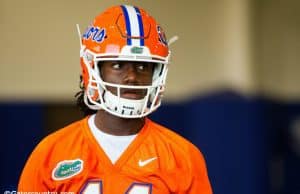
(278, 44)
(217, 47)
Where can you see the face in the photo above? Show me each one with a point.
(127, 73)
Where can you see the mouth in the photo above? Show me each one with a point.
(133, 94)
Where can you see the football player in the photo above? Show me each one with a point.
(116, 149)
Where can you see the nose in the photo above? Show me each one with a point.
(130, 76)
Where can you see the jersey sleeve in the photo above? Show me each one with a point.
(33, 177)
(200, 183)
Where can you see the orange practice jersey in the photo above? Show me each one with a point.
(158, 161)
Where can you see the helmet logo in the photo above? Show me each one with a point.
(162, 36)
(137, 50)
(95, 33)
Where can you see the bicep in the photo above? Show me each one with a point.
(34, 173)
(200, 180)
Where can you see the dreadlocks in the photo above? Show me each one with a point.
(80, 100)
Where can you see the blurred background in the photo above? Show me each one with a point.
(233, 87)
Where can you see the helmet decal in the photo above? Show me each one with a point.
(137, 50)
(95, 33)
(162, 36)
(134, 25)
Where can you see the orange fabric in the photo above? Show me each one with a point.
(158, 161)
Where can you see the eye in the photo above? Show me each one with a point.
(141, 66)
(116, 65)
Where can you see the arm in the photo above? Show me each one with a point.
(200, 183)
(33, 177)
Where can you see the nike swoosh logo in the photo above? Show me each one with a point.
(145, 162)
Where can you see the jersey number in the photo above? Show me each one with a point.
(95, 187)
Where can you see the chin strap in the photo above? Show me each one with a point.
(124, 106)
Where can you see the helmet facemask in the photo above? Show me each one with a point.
(98, 96)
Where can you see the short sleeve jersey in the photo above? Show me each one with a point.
(158, 161)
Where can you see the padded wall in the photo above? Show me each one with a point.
(248, 143)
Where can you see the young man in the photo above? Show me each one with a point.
(116, 148)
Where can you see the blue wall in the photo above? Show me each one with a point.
(21, 129)
(238, 136)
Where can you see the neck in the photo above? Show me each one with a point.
(114, 125)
